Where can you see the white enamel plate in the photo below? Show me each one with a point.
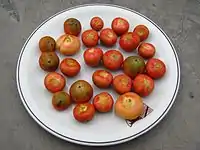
(104, 129)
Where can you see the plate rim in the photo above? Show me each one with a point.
(107, 143)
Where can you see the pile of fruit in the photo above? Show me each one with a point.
(136, 81)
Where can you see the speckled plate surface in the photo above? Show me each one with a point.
(104, 129)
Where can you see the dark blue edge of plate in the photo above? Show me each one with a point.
(86, 142)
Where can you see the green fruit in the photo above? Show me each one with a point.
(47, 44)
(49, 61)
(133, 65)
(81, 91)
(72, 26)
(61, 100)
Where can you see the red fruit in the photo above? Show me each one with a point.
(93, 56)
(146, 50)
(120, 25)
(142, 31)
(155, 68)
(143, 85)
(102, 78)
(54, 82)
(84, 112)
(90, 38)
(122, 83)
(70, 67)
(108, 37)
(103, 102)
(129, 41)
(113, 59)
(96, 23)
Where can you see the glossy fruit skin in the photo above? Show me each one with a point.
(120, 25)
(129, 41)
(61, 100)
(49, 61)
(72, 26)
(68, 44)
(122, 83)
(103, 102)
(108, 37)
(70, 67)
(113, 59)
(155, 68)
(142, 31)
(47, 44)
(84, 112)
(129, 106)
(54, 82)
(90, 38)
(81, 91)
(146, 50)
(93, 56)
(133, 65)
(143, 85)
(102, 78)
(96, 23)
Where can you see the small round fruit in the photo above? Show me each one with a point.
(113, 59)
(103, 102)
(133, 65)
(90, 38)
(84, 112)
(47, 44)
(108, 37)
(68, 44)
(143, 85)
(142, 31)
(54, 82)
(102, 78)
(96, 23)
(61, 100)
(93, 56)
(120, 25)
(146, 50)
(72, 26)
(129, 106)
(129, 41)
(49, 61)
(122, 83)
(81, 91)
(155, 68)
(70, 67)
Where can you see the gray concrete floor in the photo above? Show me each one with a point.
(180, 19)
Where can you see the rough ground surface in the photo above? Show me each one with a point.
(180, 19)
